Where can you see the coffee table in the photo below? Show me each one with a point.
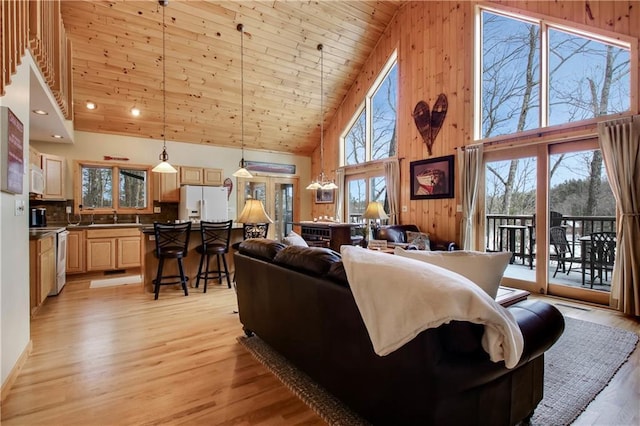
(507, 296)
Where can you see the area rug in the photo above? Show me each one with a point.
(577, 368)
(110, 282)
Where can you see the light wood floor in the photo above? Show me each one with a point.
(114, 356)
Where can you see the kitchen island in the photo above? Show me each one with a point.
(191, 262)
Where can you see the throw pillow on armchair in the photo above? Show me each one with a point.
(484, 269)
(420, 240)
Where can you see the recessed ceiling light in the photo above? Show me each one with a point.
(40, 112)
(58, 136)
(90, 105)
(135, 112)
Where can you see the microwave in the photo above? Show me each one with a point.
(36, 180)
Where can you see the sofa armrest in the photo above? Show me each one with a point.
(541, 325)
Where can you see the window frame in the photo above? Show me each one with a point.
(366, 106)
(546, 23)
(366, 174)
(115, 191)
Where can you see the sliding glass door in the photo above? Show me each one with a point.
(552, 208)
(582, 221)
(510, 209)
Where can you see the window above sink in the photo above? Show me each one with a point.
(106, 188)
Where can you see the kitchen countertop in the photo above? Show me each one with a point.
(39, 233)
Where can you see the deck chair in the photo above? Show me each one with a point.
(561, 250)
(555, 219)
(602, 255)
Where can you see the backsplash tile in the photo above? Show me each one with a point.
(56, 214)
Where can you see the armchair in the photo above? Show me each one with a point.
(396, 235)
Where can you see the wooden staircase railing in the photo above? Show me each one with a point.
(37, 25)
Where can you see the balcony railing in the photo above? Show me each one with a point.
(518, 239)
(576, 227)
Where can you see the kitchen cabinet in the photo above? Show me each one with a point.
(42, 265)
(53, 170)
(109, 249)
(200, 176)
(166, 187)
(75, 252)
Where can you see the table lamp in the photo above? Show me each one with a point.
(255, 219)
(375, 211)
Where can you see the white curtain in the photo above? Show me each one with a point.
(339, 204)
(469, 164)
(620, 145)
(392, 178)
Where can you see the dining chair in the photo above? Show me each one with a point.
(602, 255)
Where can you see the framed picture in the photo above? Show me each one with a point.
(324, 196)
(11, 152)
(432, 178)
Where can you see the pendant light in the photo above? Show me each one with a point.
(322, 182)
(242, 172)
(164, 166)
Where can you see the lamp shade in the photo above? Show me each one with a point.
(375, 210)
(164, 167)
(242, 173)
(253, 212)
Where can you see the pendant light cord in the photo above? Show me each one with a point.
(164, 82)
(241, 29)
(322, 178)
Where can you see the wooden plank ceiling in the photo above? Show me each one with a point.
(117, 63)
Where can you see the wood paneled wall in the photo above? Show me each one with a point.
(435, 54)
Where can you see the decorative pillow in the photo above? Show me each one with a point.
(419, 239)
(484, 269)
(294, 239)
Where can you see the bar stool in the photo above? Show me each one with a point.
(172, 242)
(215, 242)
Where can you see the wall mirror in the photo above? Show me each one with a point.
(102, 188)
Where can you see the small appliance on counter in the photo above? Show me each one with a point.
(38, 217)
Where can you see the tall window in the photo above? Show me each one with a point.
(371, 135)
(533, 73)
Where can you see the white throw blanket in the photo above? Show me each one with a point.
(400, 297)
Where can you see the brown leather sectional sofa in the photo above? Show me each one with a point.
(297, 299)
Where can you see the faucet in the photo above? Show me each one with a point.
(115, 216)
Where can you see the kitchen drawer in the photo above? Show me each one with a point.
(113, 233)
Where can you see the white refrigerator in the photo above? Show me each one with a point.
(203, 203)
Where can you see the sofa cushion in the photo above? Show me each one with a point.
(312, 260)
(420, 240)
(294, 239)
(484, 269)
(261, 248)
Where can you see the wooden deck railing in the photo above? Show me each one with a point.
(576, 227)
